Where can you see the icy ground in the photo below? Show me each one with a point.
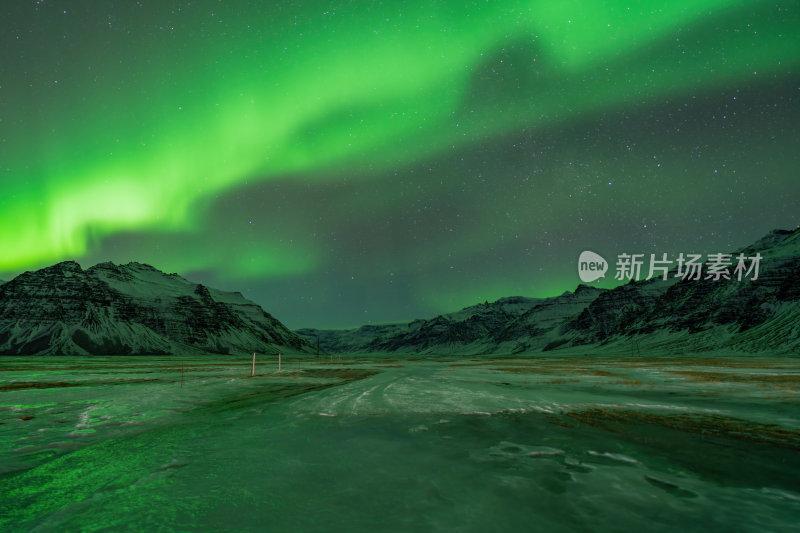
(434, 444)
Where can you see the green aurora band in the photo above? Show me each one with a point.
(136, 120)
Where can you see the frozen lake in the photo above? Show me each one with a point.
(376, 444)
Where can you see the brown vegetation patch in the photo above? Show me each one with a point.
(713, 362)
(559, 381)
(18, 385)
(349, 374)
(632, 383)
(731, 377)
(592, 372)
(701, 424)
(530, 370)
(505, 362)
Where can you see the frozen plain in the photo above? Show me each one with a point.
(523, 443)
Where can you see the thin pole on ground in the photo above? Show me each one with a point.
(279, 361)
(253, 368)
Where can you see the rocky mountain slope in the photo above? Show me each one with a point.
(466, 331)
(129, 310)
(674, 315)
(686, 315)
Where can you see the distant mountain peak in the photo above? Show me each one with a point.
(512, 300)
(773, 239)
(68, 266)
(582, 288)
(142, 266)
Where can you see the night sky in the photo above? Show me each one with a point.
(342, 163)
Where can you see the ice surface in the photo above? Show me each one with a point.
(489, 444)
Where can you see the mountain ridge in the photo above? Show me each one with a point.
(673, 315)
(131, 309)
(137, 309)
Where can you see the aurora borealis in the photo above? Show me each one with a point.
(350, 162)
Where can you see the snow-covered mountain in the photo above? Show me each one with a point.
(136, 309)
(467, 331)
(672, 316)
(129, 310)
(690, 316)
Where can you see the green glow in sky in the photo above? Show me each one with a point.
(125, 129)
